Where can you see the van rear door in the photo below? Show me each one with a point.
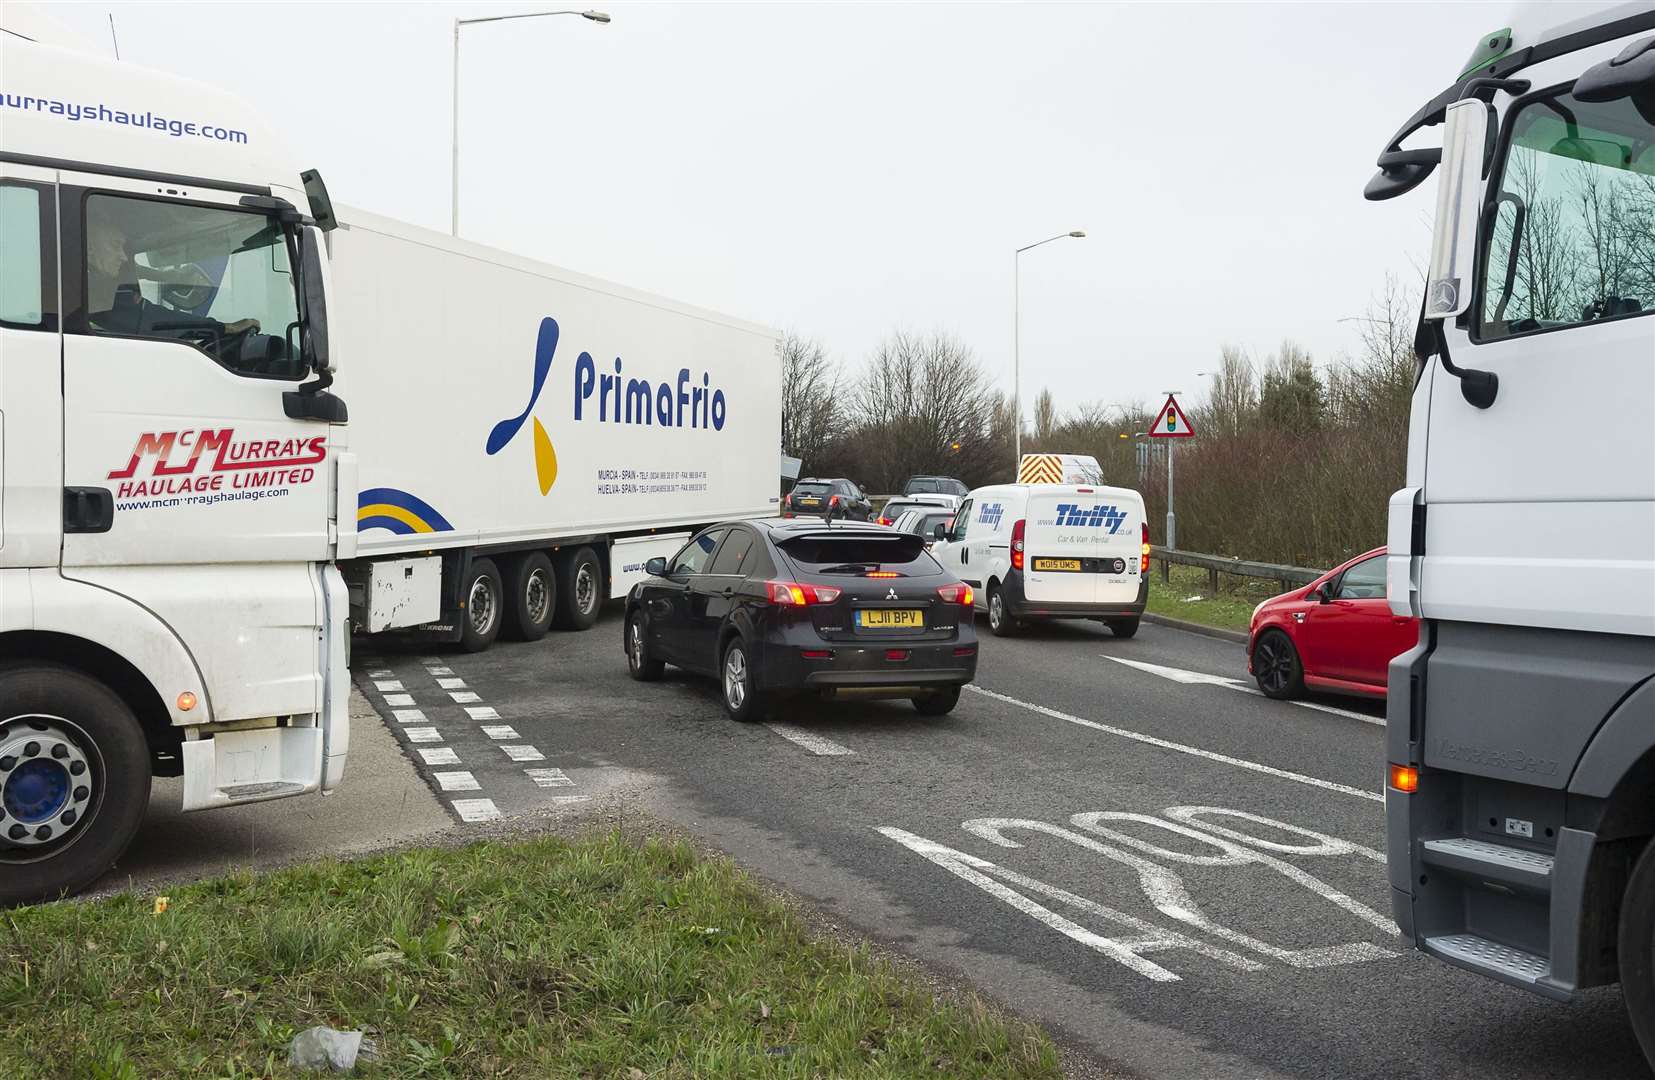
(1081, 546)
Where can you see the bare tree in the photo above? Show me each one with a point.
(1291, 398)
(810, 387)
(1045, 419)
(1232, 402)
(923, 405)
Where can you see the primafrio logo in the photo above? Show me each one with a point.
(1096, 516)
(196, 461)
(620, 400)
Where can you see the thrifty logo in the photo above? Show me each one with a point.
(1096, 516)
(990, 515)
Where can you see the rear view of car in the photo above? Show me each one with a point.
(841, 610)
(925, 522)
(904, 503)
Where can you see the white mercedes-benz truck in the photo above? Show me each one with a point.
(237, 424)
(1520, 799)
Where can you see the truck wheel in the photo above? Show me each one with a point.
(640, 661)
(999, 618)
(531, 597)
(579, 590)
(1123, 628)
(1276, 666)
(74, 781)
(1637, 950)
(484, 604)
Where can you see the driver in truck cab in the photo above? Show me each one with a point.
(114, 302)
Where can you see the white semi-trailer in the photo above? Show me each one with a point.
(1521, 729)
(235, 423)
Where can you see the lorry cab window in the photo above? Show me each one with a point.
(217, 279)
(1573, 219)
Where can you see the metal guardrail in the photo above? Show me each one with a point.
(1288, 576)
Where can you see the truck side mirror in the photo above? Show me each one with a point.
(656, 567)
(315, 298)
(1454, 234)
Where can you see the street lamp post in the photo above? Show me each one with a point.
(1016, 327)
(454, 187)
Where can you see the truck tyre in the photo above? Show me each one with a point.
(640, 661)
(580, 590)
(1276, 666)
(484, 606)
(742, 699)
(74, 781)
(531, 597)
(1637, 950)
(1000, 621)
(1123, 628)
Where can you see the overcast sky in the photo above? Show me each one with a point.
(844, 169)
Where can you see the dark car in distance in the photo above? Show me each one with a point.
(834, 499)
(778, 607)
(934, 485)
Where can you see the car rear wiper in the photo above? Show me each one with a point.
(849, 568)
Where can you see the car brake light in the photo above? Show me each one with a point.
(1017, 545)
(882, 573)
(834, 501)
(816, 654)
(1143, 567)
(957, 593)
(792, 594)
(884, 521)
(896, 654)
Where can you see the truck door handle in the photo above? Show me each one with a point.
(88, 510)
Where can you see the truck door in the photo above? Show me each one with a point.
(1541, 507)
(31, 465)
(190, 490)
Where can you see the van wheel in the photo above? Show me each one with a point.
(1123, 628)
(940, 703)
(484, 599)
(1000, 621)
(579, 590)
(1276, 666)
(1637, 950)
(74, 781)
(531, 594)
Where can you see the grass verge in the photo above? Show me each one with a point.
(591, 958)
(1190, 596)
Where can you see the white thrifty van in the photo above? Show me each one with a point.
(1052, 551)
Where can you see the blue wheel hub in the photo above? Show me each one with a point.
(36, 791)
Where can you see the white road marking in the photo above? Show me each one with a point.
(430, 659)
(409, 716)
(382, 673)
(389, 684)
(482, 712)
(810, 741)
(422, 734)
(499, 732)
(457, 781)
(566, 799)
(1167, 744)
(1146, 936)
(399, 699)
(549, 778)
(476, 809)
(523, 753)
(1198, 678)
(440, 755)
(439, 670)
(463, 696)
(451, 684)
(1324, 845)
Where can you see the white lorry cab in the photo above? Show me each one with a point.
(1520, 801)
(236, 424)
(1051, 551)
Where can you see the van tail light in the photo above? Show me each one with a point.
(1017, 545)
(1143, 567)
(792, 594)
(957, 593)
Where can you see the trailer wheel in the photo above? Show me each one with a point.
(580, 591)
(484, 600)
(1637, 950)
(74, 781)
(531, 597)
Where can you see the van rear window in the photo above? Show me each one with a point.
(903, 552)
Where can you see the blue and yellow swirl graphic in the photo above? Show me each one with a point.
(398, 511)
(545, 457)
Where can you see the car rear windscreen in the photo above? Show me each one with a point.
(903, 552)
(812, 489)
(924, 485)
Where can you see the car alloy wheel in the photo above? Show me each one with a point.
(735, 678)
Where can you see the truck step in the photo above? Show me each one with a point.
(1490, 863)
(270, 790)
(1491, 958)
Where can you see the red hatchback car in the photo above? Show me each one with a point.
(1337, 633)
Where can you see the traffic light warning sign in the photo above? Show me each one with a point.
(1170, 422)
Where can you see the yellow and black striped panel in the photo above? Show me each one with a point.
(1040, 469)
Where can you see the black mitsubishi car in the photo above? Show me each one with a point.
(787, 606)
